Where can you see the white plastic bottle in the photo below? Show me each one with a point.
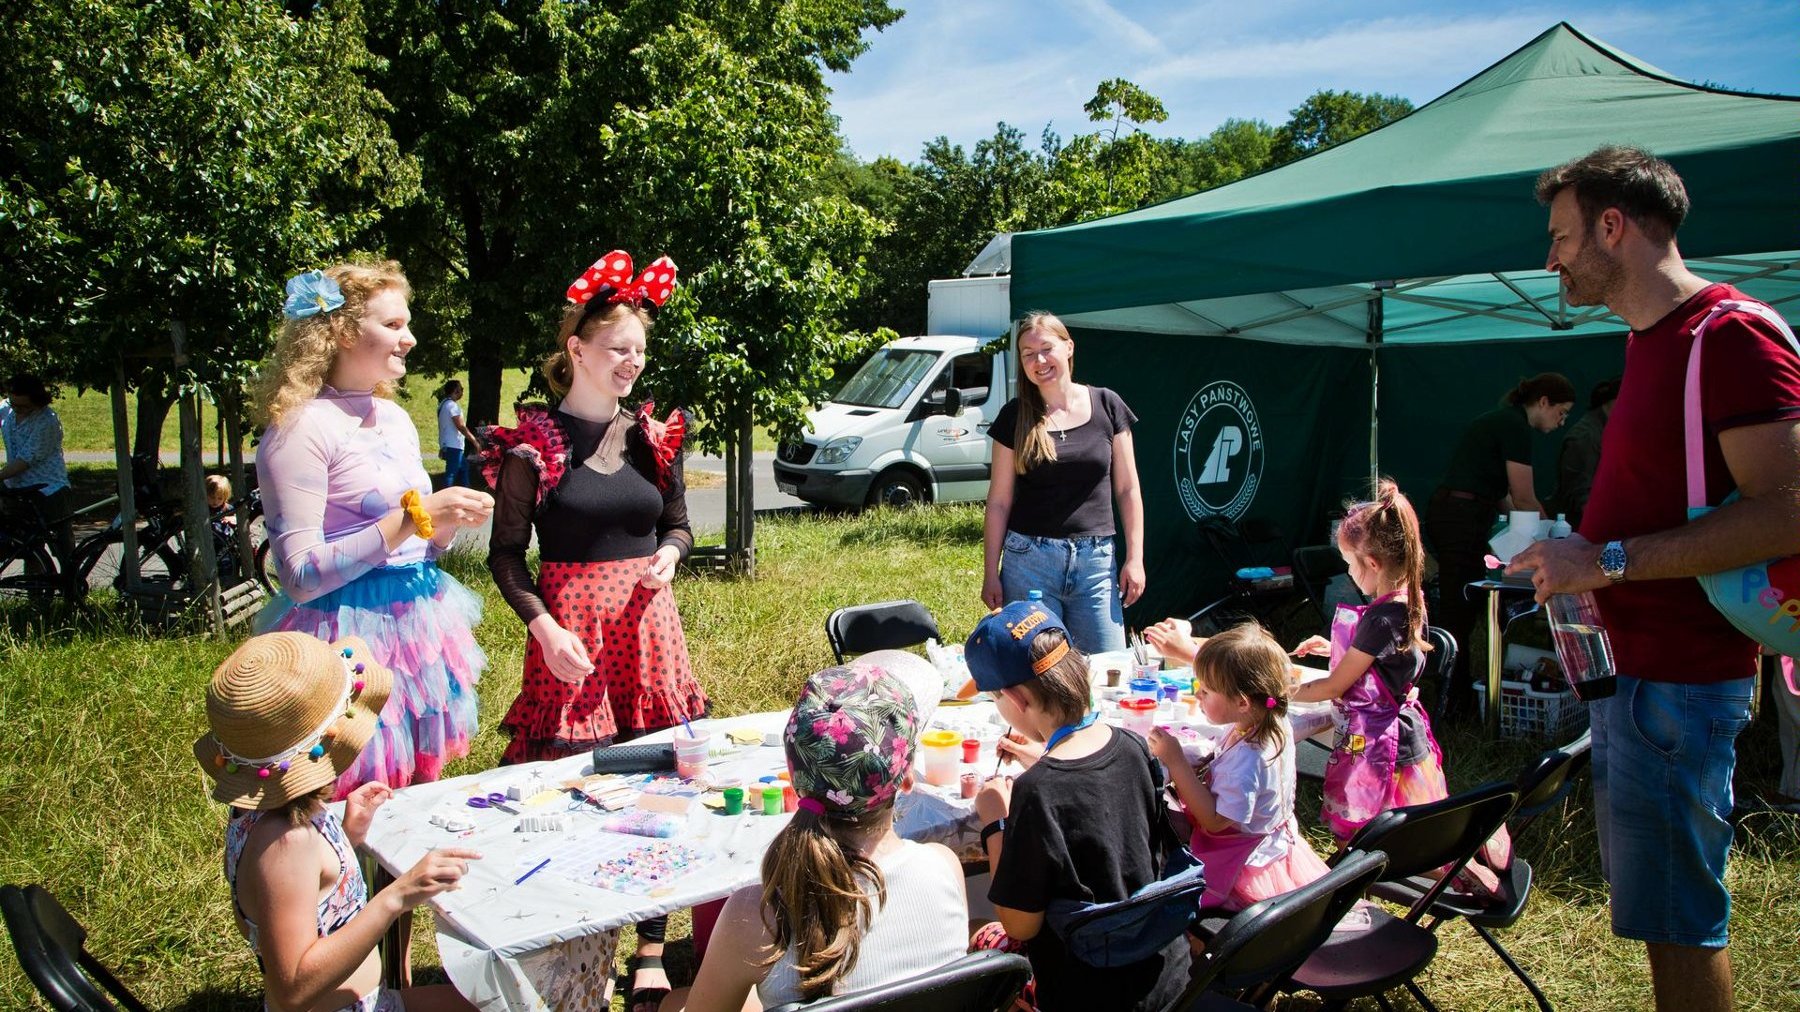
(1559, 528)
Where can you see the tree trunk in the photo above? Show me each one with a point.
(203, 567)
(153, 403)
(485, 369)
(740, 498)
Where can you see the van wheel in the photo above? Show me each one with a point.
(897, 487)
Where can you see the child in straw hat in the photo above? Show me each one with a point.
(288, 713)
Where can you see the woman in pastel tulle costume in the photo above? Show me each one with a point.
(355, 526)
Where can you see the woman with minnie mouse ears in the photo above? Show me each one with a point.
(601, 483)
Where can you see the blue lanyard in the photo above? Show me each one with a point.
(1068, 729)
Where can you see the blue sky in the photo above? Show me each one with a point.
(957, 67)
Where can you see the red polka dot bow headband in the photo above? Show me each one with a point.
(610, 279)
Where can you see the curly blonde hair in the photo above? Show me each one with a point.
(306, 348)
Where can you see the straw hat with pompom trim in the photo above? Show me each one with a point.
(289, 713)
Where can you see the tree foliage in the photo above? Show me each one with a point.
(175, 161)
(947, 205)
(550, 131)
(1328, 117)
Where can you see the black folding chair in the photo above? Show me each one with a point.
(1250, 956)
(1395, 950)
(1542, 784)
(1440, 661)
(1254, 543)
(1314, 568)
(985, 981)
(887, 625)
(52, 949)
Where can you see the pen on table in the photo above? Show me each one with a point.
(534, 870)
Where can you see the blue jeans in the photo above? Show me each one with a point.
(1662, 761)
(1080, 581)
(456, 466)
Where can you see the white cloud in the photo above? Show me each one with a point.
(1113, 24)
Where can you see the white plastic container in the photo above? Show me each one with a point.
(940, 757)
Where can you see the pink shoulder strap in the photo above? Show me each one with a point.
(1693, 419)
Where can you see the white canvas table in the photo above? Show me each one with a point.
(549, 942)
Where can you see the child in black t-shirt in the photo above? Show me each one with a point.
(1078, 824)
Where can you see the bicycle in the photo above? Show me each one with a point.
(162, 539)
(27, 555)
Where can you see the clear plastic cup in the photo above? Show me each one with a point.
(690, 754)
(1582, 646)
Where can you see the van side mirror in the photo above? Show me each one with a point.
(953, 402)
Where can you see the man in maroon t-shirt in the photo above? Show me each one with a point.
(1663, 744)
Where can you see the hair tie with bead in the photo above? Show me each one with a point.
(1270, 702)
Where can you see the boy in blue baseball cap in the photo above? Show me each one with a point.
(1083, 822)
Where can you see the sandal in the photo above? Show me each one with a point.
(645, 999)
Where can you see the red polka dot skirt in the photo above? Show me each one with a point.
(641, 680)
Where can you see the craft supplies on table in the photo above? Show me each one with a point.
(641, 822)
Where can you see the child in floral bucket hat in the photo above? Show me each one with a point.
(287, 713)
(844, 903)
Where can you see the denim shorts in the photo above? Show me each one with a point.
(1080, 581)
(1663, 758)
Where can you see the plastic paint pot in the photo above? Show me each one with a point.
(940, 753)
(1138, 715)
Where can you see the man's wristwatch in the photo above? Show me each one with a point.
(1612, 561)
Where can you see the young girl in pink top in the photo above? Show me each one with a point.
(355, 525)
(1386, 756)
(1241, 804)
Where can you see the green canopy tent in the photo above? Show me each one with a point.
(1286, 335)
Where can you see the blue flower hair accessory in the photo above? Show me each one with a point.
(310, 294)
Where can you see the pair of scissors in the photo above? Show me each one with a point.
(494, 800)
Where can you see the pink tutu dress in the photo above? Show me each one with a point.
(1264, 854)
(331, 469)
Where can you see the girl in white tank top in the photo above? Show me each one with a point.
(879, 908)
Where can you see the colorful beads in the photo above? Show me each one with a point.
(348, 652)
(317, 751)
(262, 772)
(231, 767)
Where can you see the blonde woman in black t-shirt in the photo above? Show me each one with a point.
(1063, 463)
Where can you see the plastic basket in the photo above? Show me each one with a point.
(1525, 712)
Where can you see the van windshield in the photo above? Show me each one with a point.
(888, 379)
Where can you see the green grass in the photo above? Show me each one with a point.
(100, 798)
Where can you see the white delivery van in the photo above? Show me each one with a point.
(910, 426)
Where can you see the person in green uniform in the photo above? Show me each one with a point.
(1489, 474)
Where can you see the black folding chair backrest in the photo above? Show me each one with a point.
(1421, 838)
(1314, 566)
(52, 950)
(1440, 660)
(1265, 942)
(1549, 779)
(887, 625)
(985, 981)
